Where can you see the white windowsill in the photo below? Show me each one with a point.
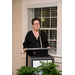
(52, 54)
(57, 58)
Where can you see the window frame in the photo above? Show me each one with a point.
(45, 3)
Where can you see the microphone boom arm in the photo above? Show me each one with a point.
(40, 41)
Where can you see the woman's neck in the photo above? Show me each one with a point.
(35, 30)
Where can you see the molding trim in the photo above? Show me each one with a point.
(42, 5)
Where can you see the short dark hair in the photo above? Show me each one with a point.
(35, 19)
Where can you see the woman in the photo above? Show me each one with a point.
(32, 39)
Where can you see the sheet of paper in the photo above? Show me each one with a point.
(36, 63)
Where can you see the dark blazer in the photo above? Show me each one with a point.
(31, 42)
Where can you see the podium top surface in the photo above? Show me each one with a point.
(41, 49)
(44, 57)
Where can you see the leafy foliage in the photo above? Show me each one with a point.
(46, 68)
(49, 68)
(26, 70)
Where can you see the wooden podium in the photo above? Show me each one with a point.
(34, 55)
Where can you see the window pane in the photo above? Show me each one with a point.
(53, 22)
(53, 34)
(46, 12)
(40, 24)
(37, 12)
(46, 32)
(53, 44)
(40, 21)
(45, 22)
(53, 11)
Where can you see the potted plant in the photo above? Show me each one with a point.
(43, 69)
(49, 68)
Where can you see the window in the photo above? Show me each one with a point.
(48, 16)
(49, 11)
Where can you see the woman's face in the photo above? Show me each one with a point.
(36, 24)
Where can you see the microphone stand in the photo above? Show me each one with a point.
(40, 37)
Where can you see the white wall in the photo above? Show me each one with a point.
(17, 60)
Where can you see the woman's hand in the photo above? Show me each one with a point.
(24, 49)
(48, 47)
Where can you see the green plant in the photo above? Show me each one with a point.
(45, 68)
(49, 68)
(26, 70)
